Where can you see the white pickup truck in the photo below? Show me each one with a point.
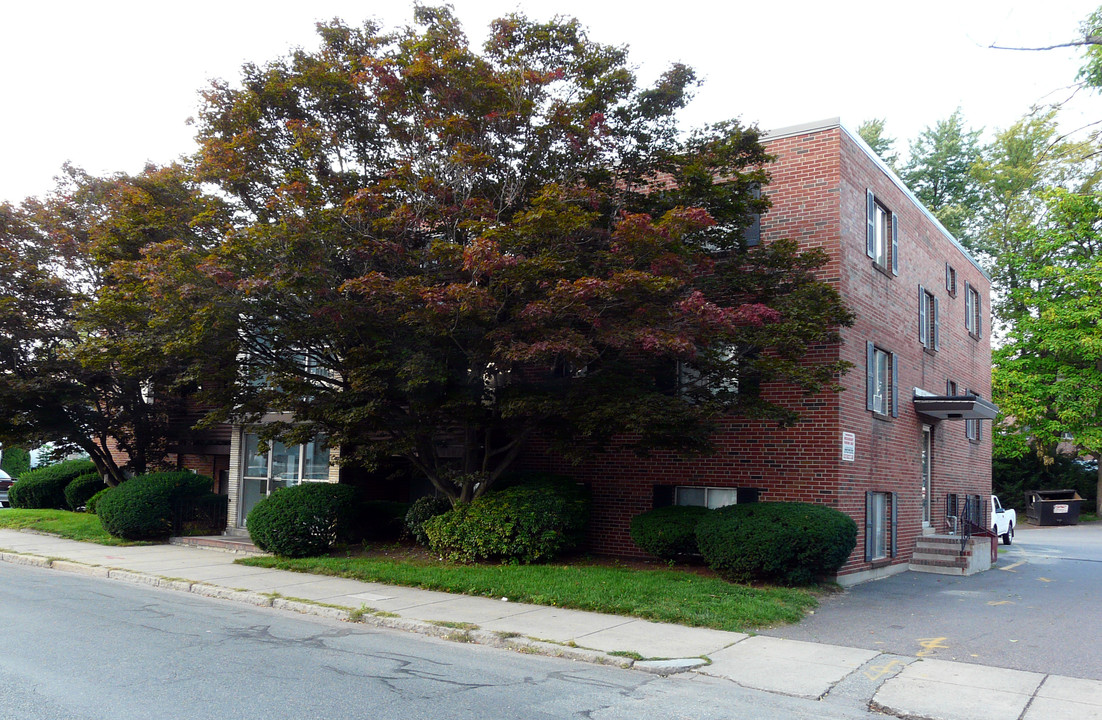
(1003, 520)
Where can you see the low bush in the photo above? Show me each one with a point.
(303, 520)
(90, 506)
(421, 511)
(142, 508)
(668, 532)
(524, 523)
(790, 543)
(44, 488)
(82, 488)
(380, 520)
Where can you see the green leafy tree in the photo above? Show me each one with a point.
(872, 132)
(441, 254)
(80, 362)
(15, 462)
(1091, 31)
(1024, 162)
(1048, 373)
(939, 171)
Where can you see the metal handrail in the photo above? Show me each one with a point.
(968, 517)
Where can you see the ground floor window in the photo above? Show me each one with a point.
(280, 466)
(880, 525)
(709, 497)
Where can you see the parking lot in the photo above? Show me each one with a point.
(1039, 608)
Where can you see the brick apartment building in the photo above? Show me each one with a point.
(892, 450)
(898, 450)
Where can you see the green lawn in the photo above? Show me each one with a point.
(671, 596)
(74, 526)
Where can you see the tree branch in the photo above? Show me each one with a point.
(1088, 40)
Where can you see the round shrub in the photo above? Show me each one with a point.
(44, 488)
(81, 489)
(90, 506)
(524, 523)
(668, 532)
(302, 520)
(141, 508)
(790, 543)
(421, 511)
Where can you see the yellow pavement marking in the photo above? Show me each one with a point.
(882, 670)
(1010, 568)
(1044, 579)
(1001, 602)
(929, 645)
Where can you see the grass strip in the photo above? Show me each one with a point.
(73, 526)
(669, 596)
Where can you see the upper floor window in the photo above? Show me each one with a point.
(722, 375)
(882, 394)
(973, 311)
(951, 280)
(881, 234)
(751, 234)
(928, 320)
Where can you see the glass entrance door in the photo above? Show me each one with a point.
(926, 474)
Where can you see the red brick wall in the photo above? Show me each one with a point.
(818, 192)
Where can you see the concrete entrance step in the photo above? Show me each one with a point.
(228, 543)
(941, 554)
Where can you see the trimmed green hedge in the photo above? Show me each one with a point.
(791, 543)
(303, 520)
(420, 512)
(44, 488)
(90, 506)
(524, 523)
(81, 490)
(668, 532)
(141, 508)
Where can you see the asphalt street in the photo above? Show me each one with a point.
(1038, 609)
(80, 648)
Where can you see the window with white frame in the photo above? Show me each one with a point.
(880, 525)
(881, 234)
(709, 497)
(973, 311)
(928, 320)
(951, 279)
(882, 381)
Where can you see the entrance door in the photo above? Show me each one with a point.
(927, 493)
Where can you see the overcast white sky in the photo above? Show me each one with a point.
(109, 85)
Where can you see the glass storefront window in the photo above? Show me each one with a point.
(290, 465)
(256, 464)
(315, 465)
(285, 461)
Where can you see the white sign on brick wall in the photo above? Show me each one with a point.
(849, 447)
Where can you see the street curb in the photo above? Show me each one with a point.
(362, 616)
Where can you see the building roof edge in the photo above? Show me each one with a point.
(831, 123)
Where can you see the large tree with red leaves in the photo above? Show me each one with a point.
(439, 253)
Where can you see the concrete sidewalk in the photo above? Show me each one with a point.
(900, 685)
